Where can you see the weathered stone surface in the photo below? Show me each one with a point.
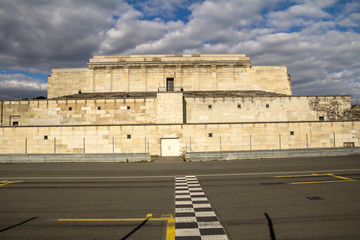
(225, 137)
(355, 112)
(191, 72)
(332, 108)
(174, 107)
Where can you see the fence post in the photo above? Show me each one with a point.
(25, 145)
(84, 144)
(250, 142)
(148, 148)
(307, 142)
(220, 145)
(145, 144)
(190, 144)
(54, 145)
(334, 141)
(113, 145)
(279, 141)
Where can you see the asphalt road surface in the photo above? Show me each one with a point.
(299, 198)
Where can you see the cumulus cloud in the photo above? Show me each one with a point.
(317, 40)
(50, 34)
(296, 16)
(19, 86)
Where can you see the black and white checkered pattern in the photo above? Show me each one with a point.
(194, 217)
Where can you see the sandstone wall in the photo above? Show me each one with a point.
(271, 79)
(137, 138)
(267, 109)
(64, 82)
(170, 108)
(149, 73)
(79, 112)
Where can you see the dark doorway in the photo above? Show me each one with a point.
(169, 84)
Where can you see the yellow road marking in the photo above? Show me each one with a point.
(307, 175)
(344, 179)
(348, 179)
(5, 182)
(331, 181)
(170, 229)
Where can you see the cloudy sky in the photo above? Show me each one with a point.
(319, 41)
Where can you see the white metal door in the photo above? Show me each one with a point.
(170, 147)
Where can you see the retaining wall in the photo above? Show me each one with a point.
(233, 155)
(36, 158)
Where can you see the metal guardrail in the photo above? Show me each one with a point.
(284, 153)
(45, 158)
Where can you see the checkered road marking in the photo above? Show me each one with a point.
(194, 217)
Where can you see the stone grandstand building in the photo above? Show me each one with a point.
(166, 105)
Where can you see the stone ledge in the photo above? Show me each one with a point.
(96, 158)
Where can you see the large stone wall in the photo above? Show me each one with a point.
(170, 107)
(79, 112)
(149, 73)
(63, 82)
(147, 138)
(272, 79)
(267, 109)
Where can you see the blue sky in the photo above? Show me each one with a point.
(319, 41)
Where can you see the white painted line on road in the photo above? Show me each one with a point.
(172, 176)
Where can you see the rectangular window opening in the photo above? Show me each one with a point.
(169, 84)
(210, 135)
(210, 106)
(15, 123)
(128, 107)
(321, 118)
(292, 133)
(128, 136)
(45, 137)
(267, 105)
(99, 108)
(239, 105)
(70, 108)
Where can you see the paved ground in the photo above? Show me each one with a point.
(302, 198)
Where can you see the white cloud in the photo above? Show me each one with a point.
(19, 86)
(50, 34)
(296, 16)
(129, 32)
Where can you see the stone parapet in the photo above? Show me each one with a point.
(169, 58)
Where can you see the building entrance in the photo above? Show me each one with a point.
(170, 147)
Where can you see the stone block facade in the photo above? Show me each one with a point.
(192, 72)
(134, 103)
(174, 107)
(192, 137)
